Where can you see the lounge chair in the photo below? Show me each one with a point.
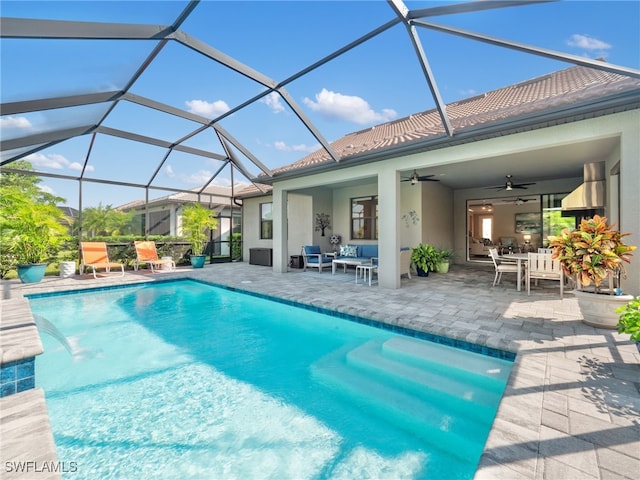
(146, 253)
(314, 258)
(95, 256)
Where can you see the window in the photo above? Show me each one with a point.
(553, 220)
(364, 218)
(486, 227)
(266, 221)
(159, 223)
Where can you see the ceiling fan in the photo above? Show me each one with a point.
(415, 178)
(509, 185)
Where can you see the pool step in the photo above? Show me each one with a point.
(465, 397)
(489, 372)
(460, 436)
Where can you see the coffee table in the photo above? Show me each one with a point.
(345, 262)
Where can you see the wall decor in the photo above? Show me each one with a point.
(528, 222)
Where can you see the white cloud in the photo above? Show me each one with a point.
(207, 109)
(77, 166)
(597, 47)
(15, 122)
(283, 147)
(273, 102)
(46, 189)
(347, 107)
(55, 161)
(221, 182)
(197, 178)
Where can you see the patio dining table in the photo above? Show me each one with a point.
(519, 258)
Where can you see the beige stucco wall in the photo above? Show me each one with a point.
(437, 215)
(251, 225)
(300, 222)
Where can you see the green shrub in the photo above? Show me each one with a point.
(629, 321)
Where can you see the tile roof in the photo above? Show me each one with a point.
(212, 194)
(564, 88)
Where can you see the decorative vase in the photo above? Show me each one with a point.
(598, 309)
(67, 269)
(31, 272)
(197, 261)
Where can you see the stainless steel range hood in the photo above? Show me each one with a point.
(591, 194)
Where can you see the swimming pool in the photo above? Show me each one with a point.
(183, 380)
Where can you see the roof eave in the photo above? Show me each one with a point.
(595, 107)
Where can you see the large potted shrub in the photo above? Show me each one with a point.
(425, 258)
(196, 220)
(591, 254)
(32, 233)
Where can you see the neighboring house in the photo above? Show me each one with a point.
(163, 215)
(71, 214)
(576, 130)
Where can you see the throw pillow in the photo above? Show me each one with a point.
(350, 251)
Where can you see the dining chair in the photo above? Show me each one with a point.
(543, 266)
(500, 266)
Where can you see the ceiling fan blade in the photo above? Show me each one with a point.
(517, 185)
(427, 178)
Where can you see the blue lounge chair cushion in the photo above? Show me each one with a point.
(367, 251)
(312, 249)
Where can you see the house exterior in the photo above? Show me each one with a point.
(547, 132)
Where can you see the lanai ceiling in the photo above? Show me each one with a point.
(119, 77)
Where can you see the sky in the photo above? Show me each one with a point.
(373, 83)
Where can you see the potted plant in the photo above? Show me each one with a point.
(425, 258)
(629, 321)
(196, 220)
(590, 254)
(445, 256)
(32, 232)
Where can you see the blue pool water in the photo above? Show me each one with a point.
(184, 380)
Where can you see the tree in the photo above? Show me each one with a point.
(33, 232)
(104, 220)
(22, 198)
(196, 220)
(27, 184)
